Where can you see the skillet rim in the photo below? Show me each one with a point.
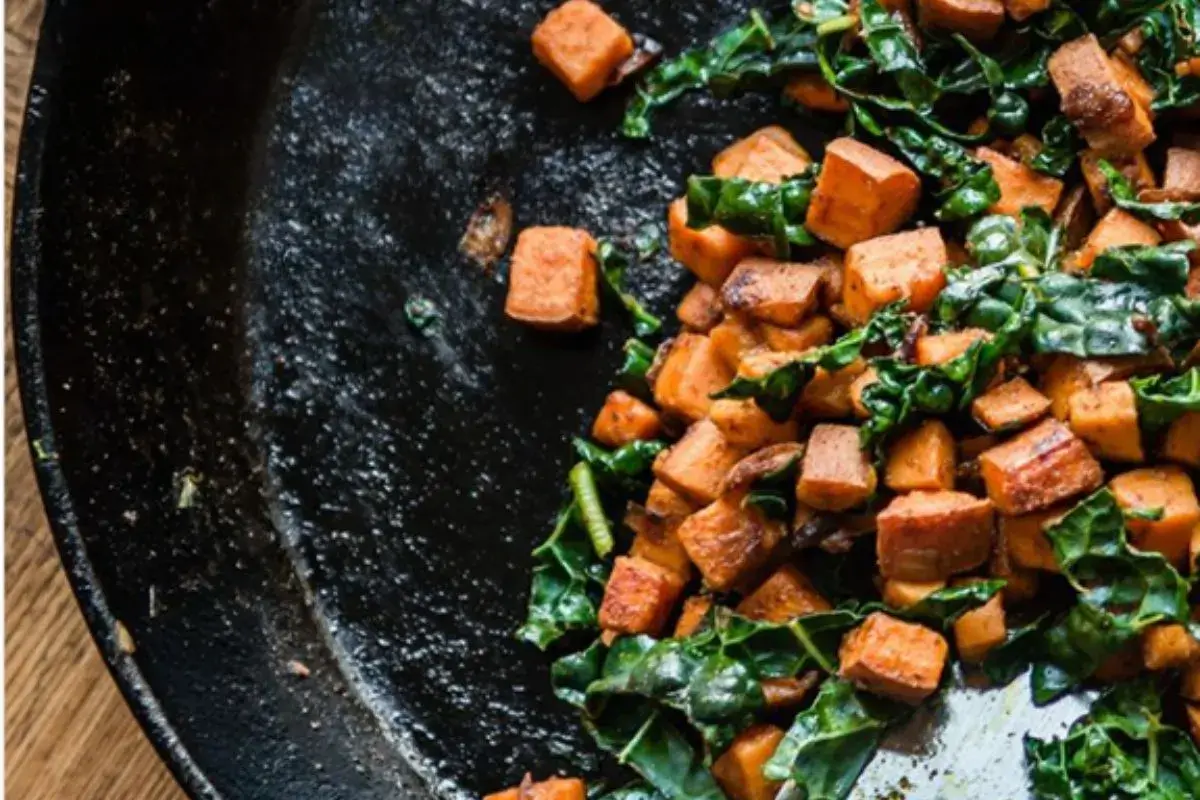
(23, 274)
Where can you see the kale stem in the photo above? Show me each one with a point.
(587, 499)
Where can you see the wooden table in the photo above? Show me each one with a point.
(69, 733)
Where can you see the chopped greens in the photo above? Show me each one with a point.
(770, 211)
(568, 580)
(613, 261)
(1126, 198)
(1162, 400)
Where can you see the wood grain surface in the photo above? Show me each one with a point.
(69, 734)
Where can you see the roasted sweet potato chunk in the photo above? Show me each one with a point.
(1021, 10)
(883, 270)
(812, 91)
(624, 419)
(694, 610)
(1067, 375)
(857, 388)
(1166, 488)
(1181, 178)
(900, 660)
(582, 46)
(692, 370)
(1020, 186)
(728, 543)
(746, 425)
(940, 348)
(978, 20)
(979, 630)
(860, 194)
(1024, 539)
(1168, 647)
(552, 789)
(921, 458)
(836, 474)
(552, 281)
(828, 394)
(1182, 444)
(770, 154)
(700, 308)
(902, 594)
(710, 253)
(929, 536)
(657, 541)
(773, 291)
(785, 595)
(1106, 418)
(664, 502)
(1115, 229)
(639, 597)
(1134, 167)
(697, 463)
(1014, 404)
(813, 332)
(739, 769)
(1038, 468)
(1096, 100)
(733, 338)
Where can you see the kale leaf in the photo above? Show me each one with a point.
(1124, 195)
(1162, 400)
(1060, 145)
(940, 609)
(639, 357)
(773, 211)
(968, 186)
(623, 470)
(613, 261)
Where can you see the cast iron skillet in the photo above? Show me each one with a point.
(222, 207)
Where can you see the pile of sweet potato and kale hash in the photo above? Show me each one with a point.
(933, 397)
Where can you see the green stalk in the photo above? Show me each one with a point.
(587, 499)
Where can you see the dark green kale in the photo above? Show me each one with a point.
(772, 211)
(639, 357)
(1060, 146)
(1161, 399)
(421, 314)
(613, 261)
(1022, 647)
(1171, 35)
(625, 470)
(941, 608)
(967, 186)
(1126, 198)
(1121, 750)
(895, 53)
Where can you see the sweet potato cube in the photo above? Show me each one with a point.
(813, 332)
(694, 610)
(1133, 82)
(978, 20)
(902, 594)
(1168, 647)
(1024, 539)
(770, 155)
(582, 46)
(552, 789)
(692, 370)
(710, 253)
(552, 281)
(639, 597)
(745, 425)
(828, 394)
(1020, 186)
(728, 543)
(733, 338)
(940, 348)
(836, 474)
(883, 270)
(700, 308)
(813, 92)
(1038, 468)
(773, 291)
(1021, 10)
(1067, 375)
(857, 388)
(657, 541)
(860, 194)
(739, 770)
(1170, 489)
(929, 536)
(1115, 229)
(1182, 175)
(624, 419)
(921, 458)
(788, 693)
(1014, 404)
(1106, 418)
(1134, 167)
(978, 631)
(1096, 100)
(664, 502)
(900, 660)
(785, 595)
(697, 463)
(1182, 444)
(762, 361)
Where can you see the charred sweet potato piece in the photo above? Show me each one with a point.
(929, 536)
(710, 253)
(639, 597)
(552, 281)
(1182, 444)
(552, 789)
(770, 460)
(770, 154)
(1024, 539)
(785, 595)
(978, 20)
(836, 474)
(1038, 468)
(900, 660)
(1115, 229)
(1181, 178)
(733, 338)
(1133, 82)
(729, 543)
(1014, 404)
(885, 269)
(692, 370)
(902, 594)
(828, 394)
(657, 541)
(1097, 101)
(788, 693)
(1166, 488)
(979, 630)
(860, 194)
(1134, 167)
(813, 92)
(739, 770)
(694, 610)
(772, 291)
(624, 419)
(746, 425)
(697, 463)
(700, 308)
(1020, 186)
(665, 503)
(921, 458)
(1021, 10)
(1168, 647)
(939, 348)
(1106, 418)
(582, 46)
(813, 332)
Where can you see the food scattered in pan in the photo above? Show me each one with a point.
(933, 404)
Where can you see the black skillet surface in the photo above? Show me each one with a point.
(222, 208)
